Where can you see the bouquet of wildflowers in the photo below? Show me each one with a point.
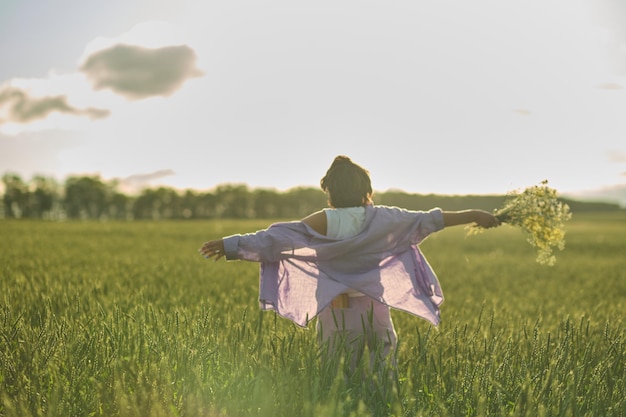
(539, 213)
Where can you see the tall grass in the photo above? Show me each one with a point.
(125, 319)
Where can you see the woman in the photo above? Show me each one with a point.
(348, 264)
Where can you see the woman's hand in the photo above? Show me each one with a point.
(485, 219)
(212, 249)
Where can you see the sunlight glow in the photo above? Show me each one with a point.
(454, 97)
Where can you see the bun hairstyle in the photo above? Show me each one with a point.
(347, 184)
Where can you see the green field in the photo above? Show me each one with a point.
(126, 319)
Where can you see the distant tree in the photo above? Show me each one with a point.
(173, 204)
(190, 205)
(85, 197)
(16, 196)
(157, 204)
(300, 201)
(234, 201)
(266, 203)
(119, 206)
(143, 206)
(43, 196)
(206, 205)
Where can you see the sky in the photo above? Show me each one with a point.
(449, 97)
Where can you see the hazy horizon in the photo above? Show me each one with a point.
(135, 184)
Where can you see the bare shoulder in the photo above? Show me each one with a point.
(316, 221)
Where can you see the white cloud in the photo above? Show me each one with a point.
(40, 104)
(19, 106)
(152, 59)
(136, 72)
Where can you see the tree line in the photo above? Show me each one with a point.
(90, 197)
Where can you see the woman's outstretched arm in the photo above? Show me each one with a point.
(215, 248)
(480, 217)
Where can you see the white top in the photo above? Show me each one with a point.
(342, 223)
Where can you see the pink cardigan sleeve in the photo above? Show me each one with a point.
(279, 241)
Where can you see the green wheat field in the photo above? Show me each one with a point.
(126, 319)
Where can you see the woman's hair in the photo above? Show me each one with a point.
(347, 184)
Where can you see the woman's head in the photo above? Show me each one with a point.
(347, 184)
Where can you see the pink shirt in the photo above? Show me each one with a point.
(302, 270)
